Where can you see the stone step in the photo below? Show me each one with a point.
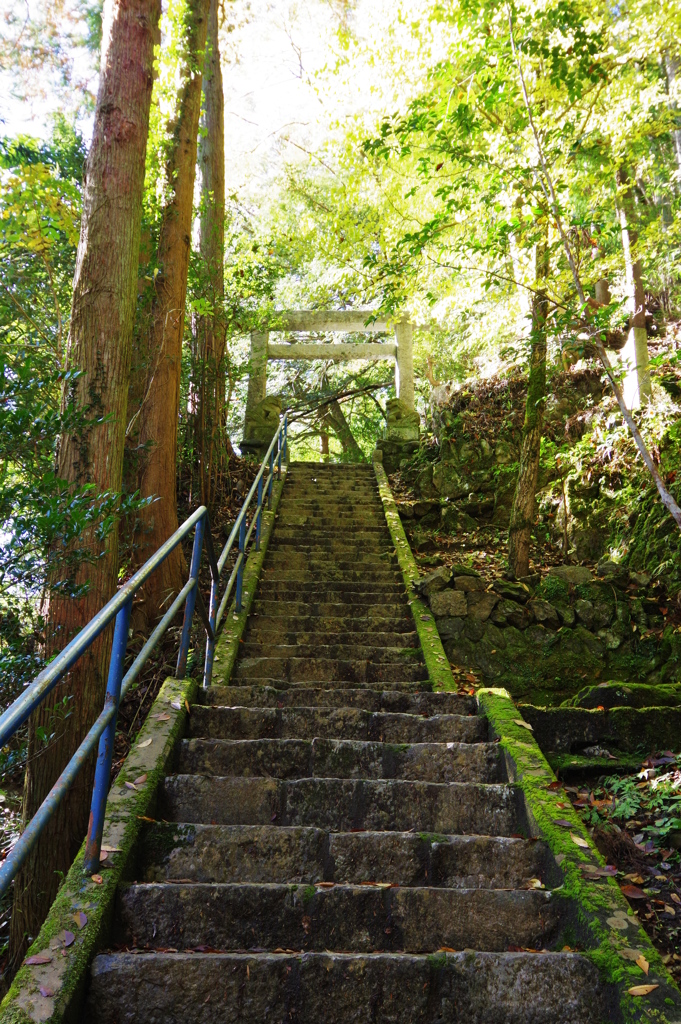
(302, 686)
(341, 759)
(393, 701)
(370, 609)
(333, 723)
(285, 559)
(341, 805)
(344, 624)
(312, 535)
(330, 547)
(365, 919)
(339, 988)
(378, 583)
(342, 651)
(315, 589)
(274, 633)
(267, 853)
(347, 670)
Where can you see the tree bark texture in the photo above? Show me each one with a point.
(334, 419)
(524, 499)
(212, 247)
(99, 347)
(159, 414)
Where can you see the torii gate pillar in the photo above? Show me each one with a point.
(404, 362)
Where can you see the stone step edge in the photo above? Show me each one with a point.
(603, 922)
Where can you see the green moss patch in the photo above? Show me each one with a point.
(434, 655)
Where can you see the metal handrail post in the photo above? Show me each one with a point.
(285, 446)
(191, 599)
(240, 556)
(279, 447)
(270, 482)
(106, 741)
(258, 523)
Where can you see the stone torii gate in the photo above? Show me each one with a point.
(262, 413)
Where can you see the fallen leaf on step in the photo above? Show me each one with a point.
(141, 780)
(46, 992)
(525, 725)
(80, 918)
(176, 705)
(145, 743)
(633, 892)
(186, 704)
(66, 938)
(563, 822)
(39, 959)
(643, 963)
(446, 949)
(638, 879)
(131, 785)
(533, 883)
(163, 717)
(642, 990)
(97, 879)
(325, 885)
(555, 785)
(579, 841)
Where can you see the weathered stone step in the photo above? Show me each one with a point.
(330, 609)
(284, 558)
(302, 686)
(312, 535)
(339, 988)
(316, 589)
(341, 759)
(330, 546)
(275, 633)
(365, 919)
(341, 805)
(373, 581)
(267, 853)
(333, 723)
(344, 623)
(342, 651)
(347, 670)
(394, 701)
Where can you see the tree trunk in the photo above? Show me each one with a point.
(335, 419)
(212, 247)
(523, 510)
(636, 387)
(99, 346)
(158, 419)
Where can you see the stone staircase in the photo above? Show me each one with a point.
(339, 844)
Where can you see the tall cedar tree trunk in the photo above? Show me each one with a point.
(99, 346)
(334, 419)
(212, 248)
(523, 510)
(159, 415)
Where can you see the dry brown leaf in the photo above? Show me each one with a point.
(677, 899)
(632, 892)
(145, 743)
(39, 959)
(525, 725)
(579, 841)
(141, 780)
(97, 879)
(643, 964)
(642, 990)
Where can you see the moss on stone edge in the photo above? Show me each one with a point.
(227, 647)
(436, 660)
(66, 974)
(597, 912)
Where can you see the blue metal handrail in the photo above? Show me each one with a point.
(119, 608)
